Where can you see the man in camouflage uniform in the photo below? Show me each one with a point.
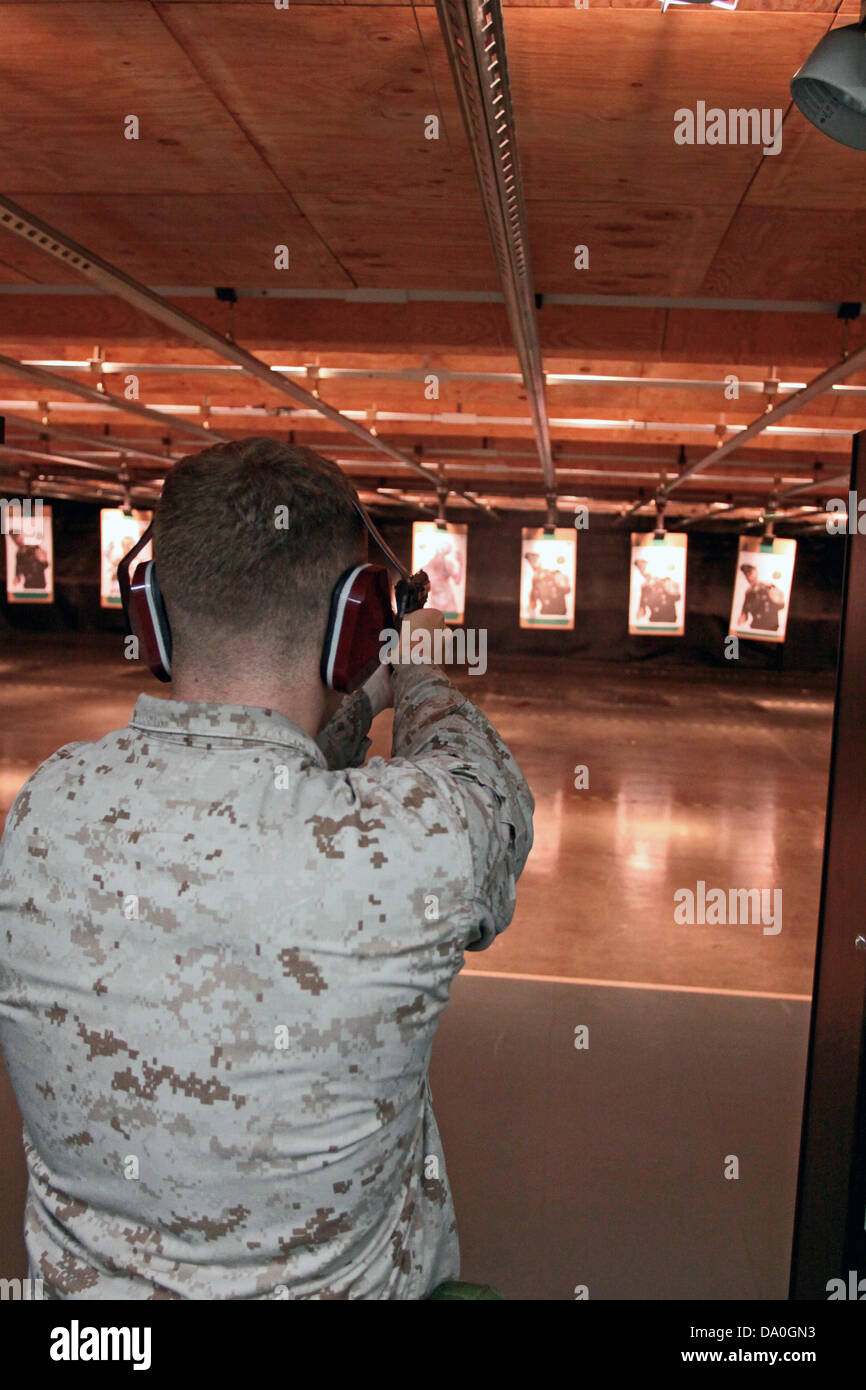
(226, 941)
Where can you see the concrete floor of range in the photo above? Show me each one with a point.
(600, 1166)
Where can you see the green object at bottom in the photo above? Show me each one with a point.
(453, 1288)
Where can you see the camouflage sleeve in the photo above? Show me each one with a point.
(344, 739)
(448, 738)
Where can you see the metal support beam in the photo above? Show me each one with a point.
(12, 451)
(45, 238)
(420, 374)
(50, 381)
(474, 37)
(93, 441)
(74, 490)
(466, 419)
(839, 480)
(846, 367)
(434, 296)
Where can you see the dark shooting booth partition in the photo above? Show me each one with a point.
(829, 1234)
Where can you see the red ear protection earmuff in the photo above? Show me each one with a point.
(361, 610)
(150, 621)
(145, 612)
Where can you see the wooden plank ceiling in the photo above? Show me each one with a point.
(305, 127)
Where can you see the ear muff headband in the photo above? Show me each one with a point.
(412, 590)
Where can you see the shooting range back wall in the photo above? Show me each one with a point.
(600, 631)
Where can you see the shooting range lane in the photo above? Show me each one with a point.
(667, 803)
(611, 1178)
(626, 1126)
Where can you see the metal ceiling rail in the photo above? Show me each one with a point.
(564, 457)
(52, 382)
(312, 371)
(493, 474)
(53, 243)
(725, 514)
(713, 511)
(434, 296)
(79, 492)
(847, 366)
(100, 442)
(809, 486)
(145, 495)
(391, 496)
(837, 481)
(10, 450)
(487, 470)
(474, 38)
(465, 417)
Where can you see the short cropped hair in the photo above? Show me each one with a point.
(250, 538)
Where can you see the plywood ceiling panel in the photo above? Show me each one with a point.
(632, 248)
(10, 273)
(813, 172)
(76, 71)
(186, 239)
(408, 241)
(338, 101)
(777, 253)
(736, 338)
(595, 96)
(339, 114)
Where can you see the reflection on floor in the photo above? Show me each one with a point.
(599, 1166)
(718, 777)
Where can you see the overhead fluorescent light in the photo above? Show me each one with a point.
(716, 4)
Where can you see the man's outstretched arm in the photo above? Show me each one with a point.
(447, 737)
